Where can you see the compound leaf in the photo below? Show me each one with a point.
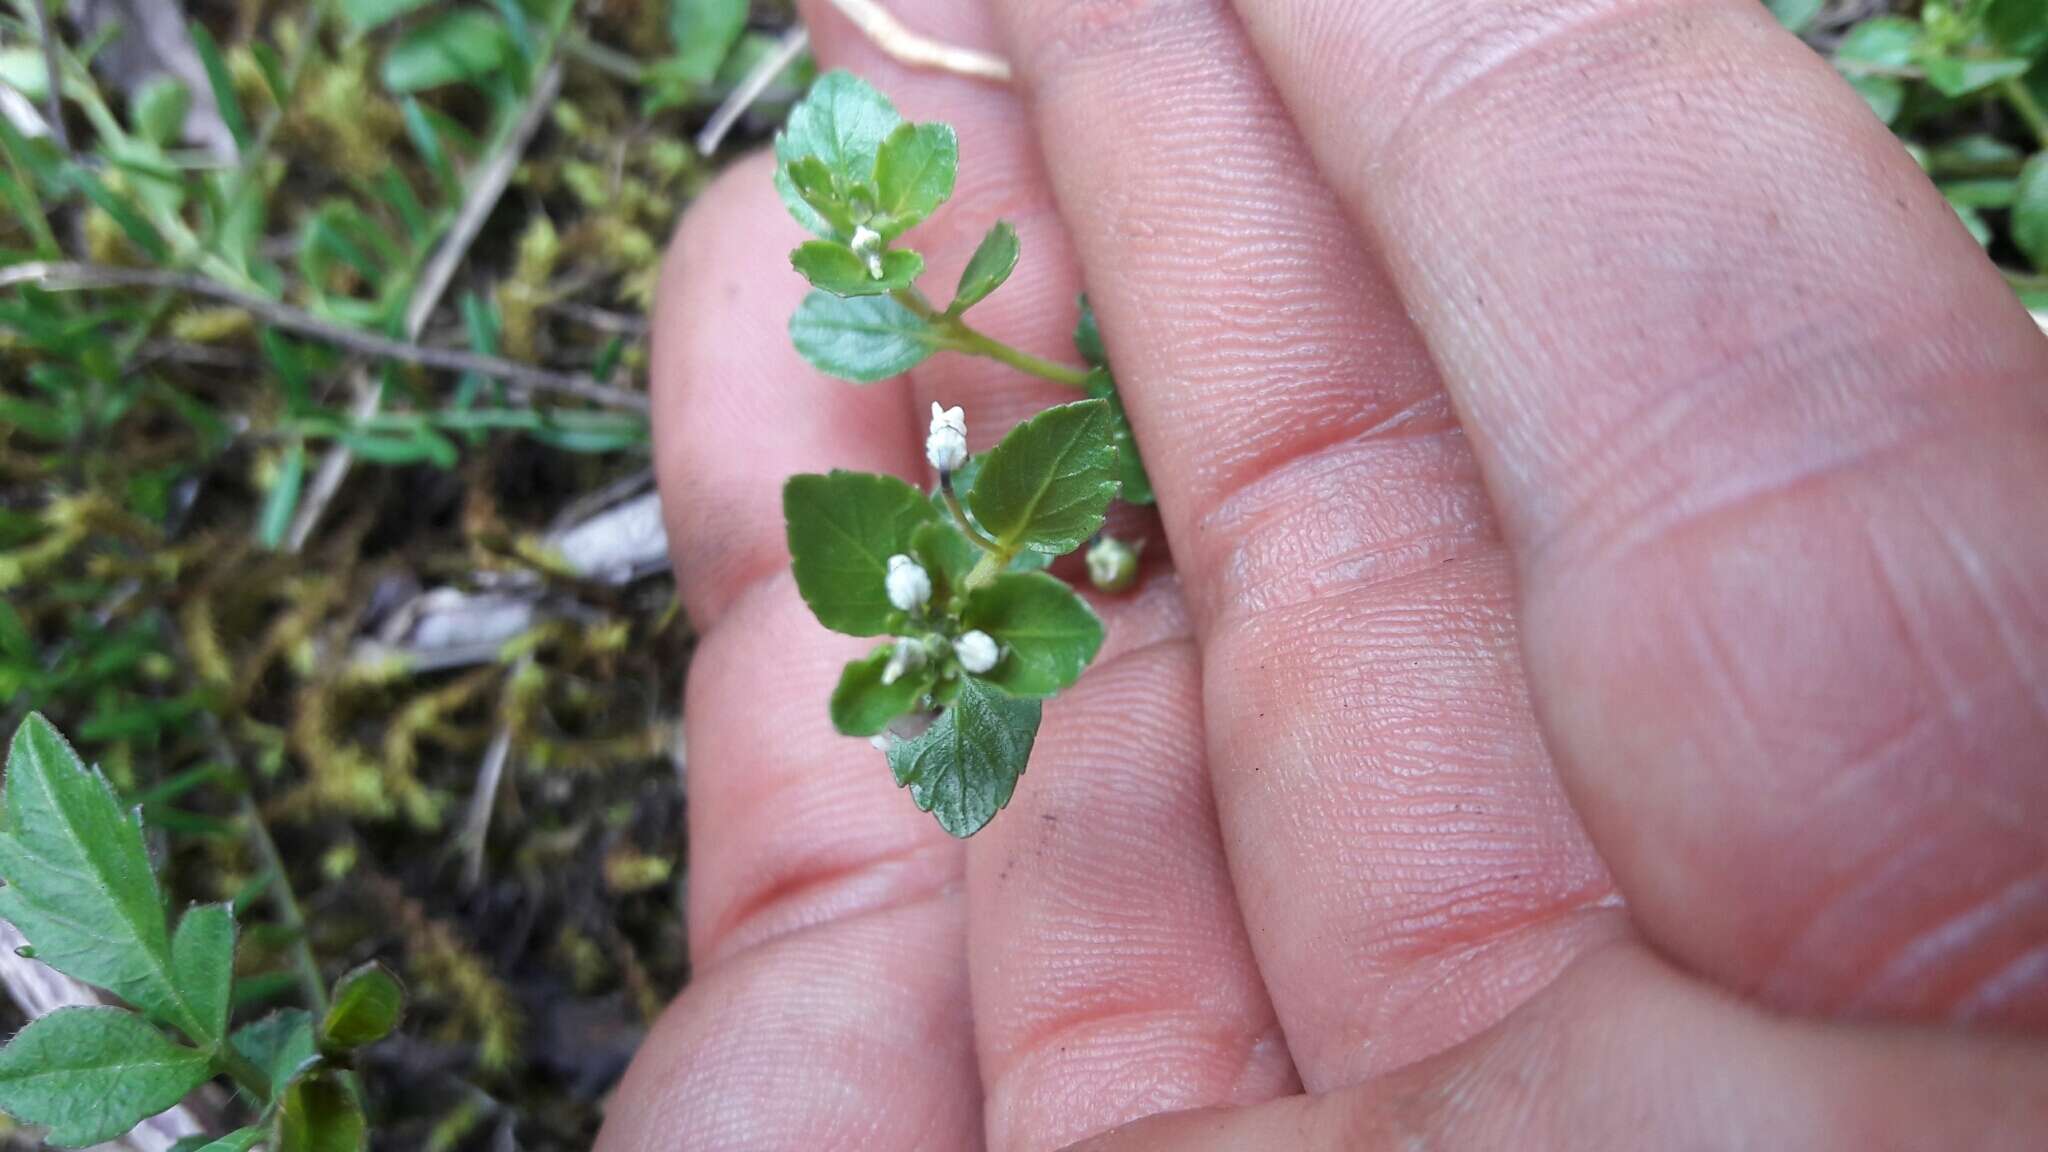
(79, 885)
(90, 1074)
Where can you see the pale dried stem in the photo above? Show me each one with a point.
(918, 51)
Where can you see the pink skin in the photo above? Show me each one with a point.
(1605, 485)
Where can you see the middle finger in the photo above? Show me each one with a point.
(1406, 860)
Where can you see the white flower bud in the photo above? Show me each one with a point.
(867, 244)
(1112, 565)
(978, 652)
(946, 446)
(906, 657)
(910, 586)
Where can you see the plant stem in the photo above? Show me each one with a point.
(981, 539)
(962, 338)
(2022, 99)
(238, 183)
(979, 344)
(287, 905)
(243, 1071)
(990, 567)
(605, 58)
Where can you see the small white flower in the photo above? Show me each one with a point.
(906, 657)
(1112, 565)
(867, 244)
(910, 586)
(946, 446)
(978, 652)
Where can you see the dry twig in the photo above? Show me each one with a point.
(523, 378)
(918, 51)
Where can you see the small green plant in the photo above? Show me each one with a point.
(80, 888)
(1965, 84)
(980, 634)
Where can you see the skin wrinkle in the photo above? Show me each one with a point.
(810, 894)
(1295, 527)
(1992, 911)
(1117, 930)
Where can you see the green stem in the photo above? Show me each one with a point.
(238, 183)
(243, 1071)
(286, 903)
(960, 337)
(2030, 110)
(2025, 281)
(990, 566)
(981, 539)
(978, 344)
(604, 58)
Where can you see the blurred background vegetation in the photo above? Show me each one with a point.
(326, 522)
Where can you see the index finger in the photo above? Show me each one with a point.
(1769, 435)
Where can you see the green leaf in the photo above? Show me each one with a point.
(1795, 14)
(1961, 75)
(2030, 211)
(240, 1140)
(363, 15)
(158, 110)
(1135, 484)
(833, 267)
(808, 187)
(914, 172)
(1885, 42)
(703, 32)
(1049, 634)
(2018, 26)
(90, 1074)
(79, 885)
(283, 500)
(1885, 95)
(1088, 337)
(1980, 193)
(457, 45)
(863, 339)
(987, 269)
(843, 527)
(139, 231)
(222, 82)
(320, 1115)
(863, 706)
(1047, 485)
(367, 1005)
(203, 964)
(842, 122)
(947, 556)
(282, 1044)
(964, 768)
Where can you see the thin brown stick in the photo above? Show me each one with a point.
(57, 276)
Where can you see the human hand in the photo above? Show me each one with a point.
(1597, 465)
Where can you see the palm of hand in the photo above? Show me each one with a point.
(1756, 527)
